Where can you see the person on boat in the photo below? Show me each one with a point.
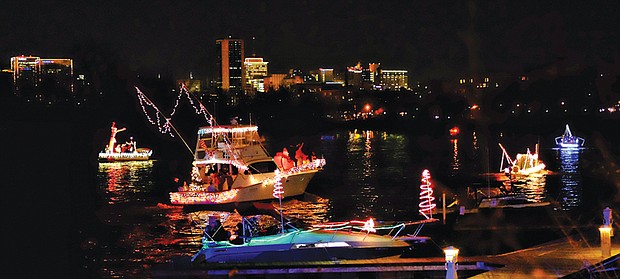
(223, 177)
(114, 131)
(211, 187)
(215, 231)
(215, 180)
(300, 157)
(286, 162)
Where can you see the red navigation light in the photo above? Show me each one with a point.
(454, 131)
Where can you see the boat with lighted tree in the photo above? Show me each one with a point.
(231, 165)
(127, 151)
(568, 140)
(335, 241)
(331, 241)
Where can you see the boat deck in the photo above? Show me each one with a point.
(565, 257)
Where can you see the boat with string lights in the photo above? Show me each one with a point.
(332, 241)
(524, 164)
(568, 140)
(127, 151)
(231, 165)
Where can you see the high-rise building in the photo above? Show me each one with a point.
(34, 74)
(354, 76)
(229, 63)
(57, 74)
(394, 79)
(26, 70)
(255, 73)
(326, 75)
(373, 73)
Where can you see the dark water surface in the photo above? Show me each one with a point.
(76, 218)
(368, 174)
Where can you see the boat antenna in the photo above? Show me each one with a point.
(167, 126)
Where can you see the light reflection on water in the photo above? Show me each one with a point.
(570, 177)
(121, 180)
(368, 180)
(152, 233)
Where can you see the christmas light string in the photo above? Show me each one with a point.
(146, 103)
(426, 196)
(278, 193)
(200, 109)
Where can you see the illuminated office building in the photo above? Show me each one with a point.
(255, 73)
(394, 79)
(57, 74)
(229, 63)
(326, 75)
(34, 74)
(26, 71)
(354, 75)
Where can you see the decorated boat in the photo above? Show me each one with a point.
(273, 240)
(524, 164)
(328, 241)
(568, 140)
(127, 151)
(231, 165)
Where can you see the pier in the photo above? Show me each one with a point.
(570, 257)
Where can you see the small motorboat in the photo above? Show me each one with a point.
(352, 240)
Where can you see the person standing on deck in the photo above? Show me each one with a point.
(114, 131)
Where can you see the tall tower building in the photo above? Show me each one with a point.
(230, 69)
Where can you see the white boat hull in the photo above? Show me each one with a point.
(124, 156)
(313, 245)
(293, 185)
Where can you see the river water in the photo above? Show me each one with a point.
(368, 174)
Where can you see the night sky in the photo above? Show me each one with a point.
(432, 39)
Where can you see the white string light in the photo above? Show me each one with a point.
(426, 196)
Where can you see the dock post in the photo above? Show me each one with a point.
(451, 262)
(608, 219)
(606, 233)
(443, 198)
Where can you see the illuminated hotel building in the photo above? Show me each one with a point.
(255, 73)
(34, 73)
(230, 58)
(26, 71)
(394, 79)
(354, 75)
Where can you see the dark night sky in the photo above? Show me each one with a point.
(429, 38)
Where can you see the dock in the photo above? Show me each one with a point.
(570, 257)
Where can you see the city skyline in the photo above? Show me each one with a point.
(429, 39)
